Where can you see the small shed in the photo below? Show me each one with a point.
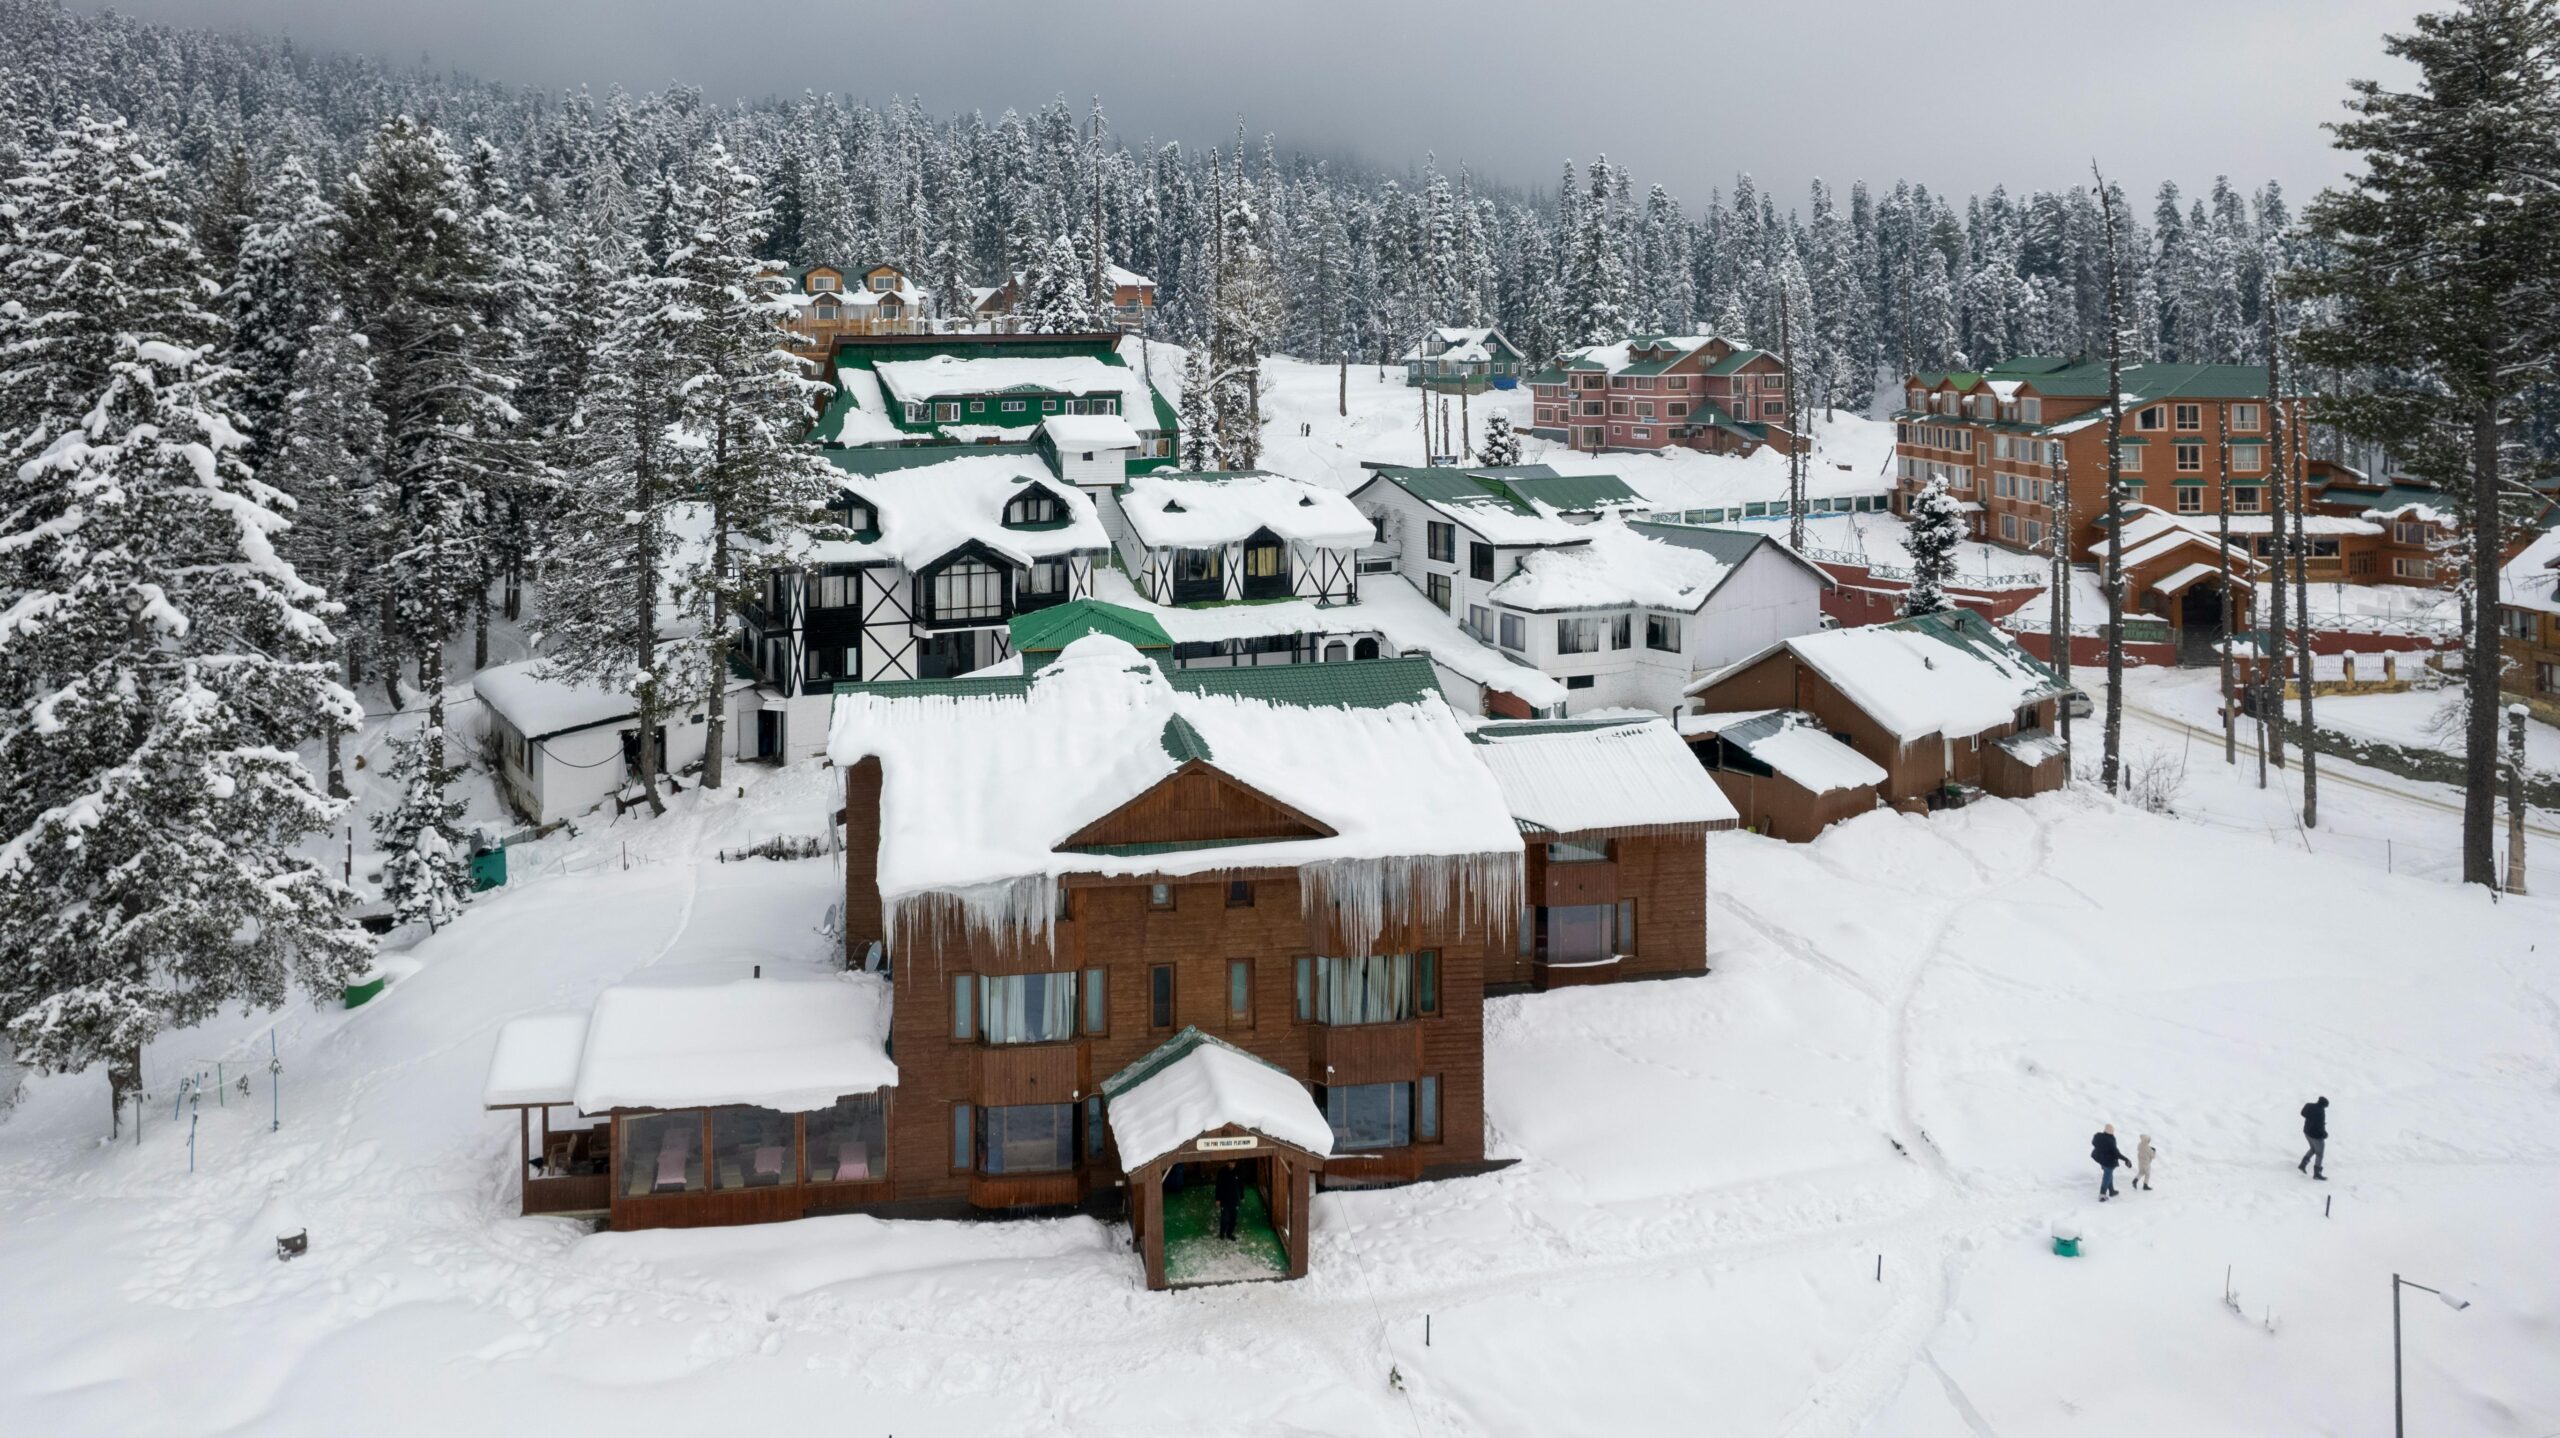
(1194, 1105)
(1789, 776)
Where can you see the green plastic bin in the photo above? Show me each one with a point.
(488, 869)
(358, 995)
(2067, 1246)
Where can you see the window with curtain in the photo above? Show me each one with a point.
(1027, 1008)
(1577, 636)
(1376, 989)
(1369, 1115)
(1265, 561)
(968, 589)
(1037, 507)
(753, 1148)
(1097, 1006)
(1577, 933)
(849, 1140)
(1027, 1138)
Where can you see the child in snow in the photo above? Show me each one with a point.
(2142, 1151)
(2315, 1127)
(2102, 1148)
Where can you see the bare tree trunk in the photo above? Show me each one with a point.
(2230, 710)
(715, 737)
(337, 773)
(1466, 427)
(480, 619)
(1427, 449)
(124, 1081)
(2515, 798)
(2297, 452)
(2112, 763)
(1795, 471)
(2272, 654)
(2480, 658)
(1342, 386)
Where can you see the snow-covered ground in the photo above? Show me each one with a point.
(1911, 1029)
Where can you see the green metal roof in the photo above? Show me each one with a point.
(1352, 684)
(1734, 361)
(1510, 488)
(1059, 625)
(1963, 629)
(2147, 383)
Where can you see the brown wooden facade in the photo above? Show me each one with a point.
(1283, 1173)
(1217, 951)
(1653, 883)
(1781, 808)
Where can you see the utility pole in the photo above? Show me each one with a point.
(2515, 798)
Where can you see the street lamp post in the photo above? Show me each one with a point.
(2399, 1424)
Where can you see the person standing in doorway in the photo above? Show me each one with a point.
(2102, 1148)
(2315, 1128)
(1230, 1188)
(2142, 1151)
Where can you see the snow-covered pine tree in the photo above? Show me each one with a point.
(1054, 297)
(1937, 529)
(1598, 287)
(612, 567)
(515, 483)
(746, 400)
(328, 459)
(159, 660)
(1198, 423)
(1501, 443)
(1246, 317)
(2468, 152)
(423, 876)
(280, 292)
(414, 274)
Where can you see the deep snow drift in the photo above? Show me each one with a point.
(1912, 1028)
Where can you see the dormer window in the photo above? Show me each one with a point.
(1036, 507)
(853, 512)
(822, 283)
(882, 284)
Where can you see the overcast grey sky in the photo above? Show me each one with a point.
(1686, 91)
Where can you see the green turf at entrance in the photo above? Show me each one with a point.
(1193, 1252)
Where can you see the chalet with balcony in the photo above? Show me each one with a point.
(1469, 359)
(1615, 816)
(1947, 706)
(1079, 876)
(912, 390)
(1652, 392)
(1236, 537)
(836, 302)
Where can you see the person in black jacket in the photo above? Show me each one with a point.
(1230, 1188)
(2102, 1147)
(2315, 1127)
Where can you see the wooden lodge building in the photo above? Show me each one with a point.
(2529, 625)
(1109, 926)
(1699, 392)
(1945, 705)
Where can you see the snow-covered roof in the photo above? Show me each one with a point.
(2531, 580)
(864, 419)
(1195, 1083)
(2331, 524)
(540, 707)
(1389, 607)
(1793, 743)
(2172, 583)
(1577, 775)
(1128, 279)
(1195, 511)
(928, 510)
(1615, 569)
(535, 1061)
(938, 376)
(1090, 431)
(1524, 506)
(1458, 344)
(1946, 673)
(2030, 747)
(711, 1034)
(983, 784)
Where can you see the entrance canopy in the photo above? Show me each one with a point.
(1221, 1149)
(1194, 1084)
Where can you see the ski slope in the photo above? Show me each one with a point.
(1910, 1031)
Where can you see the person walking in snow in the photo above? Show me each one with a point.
(2102, 1148)
(2142, 1151)
(1230, 1189)
(2315, 1127)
